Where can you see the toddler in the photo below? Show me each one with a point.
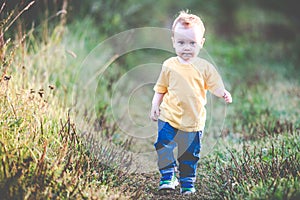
(178, 104)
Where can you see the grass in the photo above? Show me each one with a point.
(46, 153)
(270, 171)
(43, 155)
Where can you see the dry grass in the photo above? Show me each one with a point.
(42, 154)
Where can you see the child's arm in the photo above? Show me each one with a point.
(222, 93)
(157, 99)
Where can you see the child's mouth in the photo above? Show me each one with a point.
(187, 54)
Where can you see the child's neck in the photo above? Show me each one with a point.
(184, 61)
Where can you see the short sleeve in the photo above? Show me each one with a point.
(162, 83)
(213, 80)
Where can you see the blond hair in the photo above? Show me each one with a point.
(188, 20)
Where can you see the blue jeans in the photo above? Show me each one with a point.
(189, 145)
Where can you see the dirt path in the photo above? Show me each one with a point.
(146, 185)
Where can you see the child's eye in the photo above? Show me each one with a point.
(180, 42)
(193, 43)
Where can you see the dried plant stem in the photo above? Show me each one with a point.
(18, 15)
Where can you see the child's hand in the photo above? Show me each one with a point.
(227, 97)
(154, 112)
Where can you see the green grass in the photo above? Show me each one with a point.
(267, 169)
(43, 154)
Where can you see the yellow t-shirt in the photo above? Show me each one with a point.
(185, 86)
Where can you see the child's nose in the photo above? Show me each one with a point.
(187, 47)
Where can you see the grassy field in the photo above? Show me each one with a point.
(60, 140)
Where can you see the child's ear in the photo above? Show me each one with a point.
(173, 41)
(202, 42)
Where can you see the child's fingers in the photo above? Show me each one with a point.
(152, 116)
(228, 99)
(157, 111)
(154, 113)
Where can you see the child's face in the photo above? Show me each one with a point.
(187, 42)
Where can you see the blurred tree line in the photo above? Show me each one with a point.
(268, 20)
(274, 18)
